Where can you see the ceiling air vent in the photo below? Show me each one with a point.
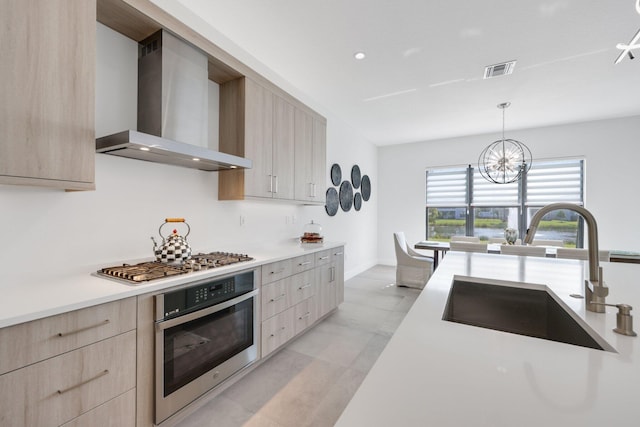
(498, 70)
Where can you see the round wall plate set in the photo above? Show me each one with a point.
(345, 194)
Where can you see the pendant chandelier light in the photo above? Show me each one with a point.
(633, 44)
(505, 160)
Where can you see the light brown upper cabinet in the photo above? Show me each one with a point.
(47, 95)
(286, 143)
(259, 125)
(310, 157)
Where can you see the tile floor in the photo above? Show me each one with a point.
(310, 381)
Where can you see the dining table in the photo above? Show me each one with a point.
(440, 248)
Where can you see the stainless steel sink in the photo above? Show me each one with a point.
(518, 308)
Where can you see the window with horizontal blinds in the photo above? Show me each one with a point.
(555, 181)
(447, 187)
(460, 201)
(487, 193)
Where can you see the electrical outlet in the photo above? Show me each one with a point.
(293, 219)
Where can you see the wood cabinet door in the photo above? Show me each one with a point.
(304, 156)
(325, 289)
(258, 140)
(319, 160)
(283, 148)
(337, 258)
(47, 99)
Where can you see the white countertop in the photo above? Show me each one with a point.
(38, 295)
(439, 373)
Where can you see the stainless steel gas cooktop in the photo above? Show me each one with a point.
(146, 271)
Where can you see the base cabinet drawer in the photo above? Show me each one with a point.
(276, 297)
(59, 389)
(277, 330)
(118, 412)
(305, 315)
(31, 342)
(277, 270)
(303, 263)
(302, 286)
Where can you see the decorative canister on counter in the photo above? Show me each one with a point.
(510, 235)
(312, 233)
(174, 249)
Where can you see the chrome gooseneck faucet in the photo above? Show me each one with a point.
(595, 288)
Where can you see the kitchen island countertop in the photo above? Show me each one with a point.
(36, 295)
(439, 373)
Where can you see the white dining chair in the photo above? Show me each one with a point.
(472, 239)
(580, 253)
(413, 270)
(468, 247)
(538, 251)
(547, 242)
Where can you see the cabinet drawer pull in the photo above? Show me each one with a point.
(322, 258)
(304, 263)
(278, 271)
(64, 334)
(270, 183)
(339, 253)
(277, 298)
(308, 285)
(276, 177)
(101, 374)
(305, 315)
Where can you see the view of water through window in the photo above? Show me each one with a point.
(490, 223)
(460, 202)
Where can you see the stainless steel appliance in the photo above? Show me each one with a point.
(173, 106)
(145, 271)
(205, 332)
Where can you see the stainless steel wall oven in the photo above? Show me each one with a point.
(205, 332)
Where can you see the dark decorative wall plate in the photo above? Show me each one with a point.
(346, 196)
(332, 203)
(336, 174)
(355, 176)
(366, 188)
(357, 201)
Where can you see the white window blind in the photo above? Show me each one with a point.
(555, 181)
(487, 193)
(447, 187)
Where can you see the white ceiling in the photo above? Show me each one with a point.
(422, 77)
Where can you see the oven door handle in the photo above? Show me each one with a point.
(165, 324)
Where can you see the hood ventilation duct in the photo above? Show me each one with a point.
(173, 108)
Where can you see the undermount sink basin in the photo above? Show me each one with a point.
(518, 308)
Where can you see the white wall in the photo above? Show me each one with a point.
(610, 148)
(55, 232)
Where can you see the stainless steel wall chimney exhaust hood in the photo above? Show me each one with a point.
(173, 103)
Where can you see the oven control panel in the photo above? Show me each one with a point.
(205, 293)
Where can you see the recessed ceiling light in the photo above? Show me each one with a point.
(359, 55)
(144, 148)
(195, 159)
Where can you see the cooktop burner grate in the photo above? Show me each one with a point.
(146, 271)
